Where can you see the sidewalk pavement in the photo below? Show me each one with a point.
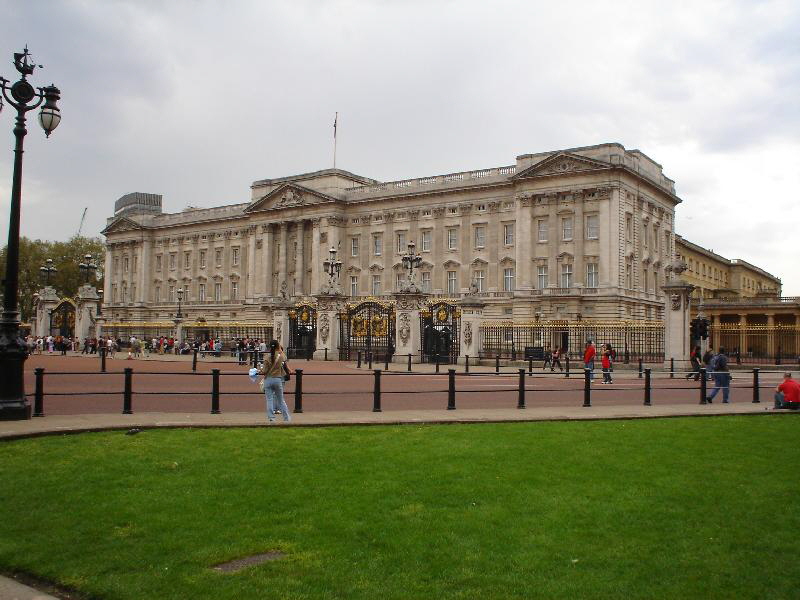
(11, 589)
(97, 422)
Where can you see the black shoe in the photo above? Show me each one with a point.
(708, 400)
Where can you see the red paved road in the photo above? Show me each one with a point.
(73, 385)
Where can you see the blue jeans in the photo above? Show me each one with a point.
(721, 381)
(590, 365)
(273, 390)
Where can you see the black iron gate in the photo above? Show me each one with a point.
(302, 331)
(367, 327)
(62, 319)
(440, 328)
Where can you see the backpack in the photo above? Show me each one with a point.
(720, 362)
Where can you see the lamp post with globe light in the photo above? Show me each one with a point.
(23, 97)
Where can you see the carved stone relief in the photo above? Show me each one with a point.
(468, 334)
(324, 327)
(404, 331)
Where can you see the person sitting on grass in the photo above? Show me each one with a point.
(787, 394)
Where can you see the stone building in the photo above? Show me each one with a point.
(582, 233)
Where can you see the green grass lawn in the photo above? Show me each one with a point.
(672, 508)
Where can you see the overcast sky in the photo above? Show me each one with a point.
(196, 100)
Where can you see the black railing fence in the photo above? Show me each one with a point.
(458, 384)
(631, 340)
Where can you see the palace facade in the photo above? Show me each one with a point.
(565, 235)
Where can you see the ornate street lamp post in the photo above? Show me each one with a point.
(100, 303)
(411, 260)
(22, 96)
(46, 270)
(88, 268)
(332, 266)
(180, 299)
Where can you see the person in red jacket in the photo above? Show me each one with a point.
(588, 359)
(787, 394)
(605, 358)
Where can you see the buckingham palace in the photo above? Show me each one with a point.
(579, 235)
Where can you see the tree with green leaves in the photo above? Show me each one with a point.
(66, 258)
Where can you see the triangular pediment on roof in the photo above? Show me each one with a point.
(121, 224)
(560, 164)
(289, 195)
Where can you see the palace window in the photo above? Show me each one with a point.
(133, 292)
(508, 234)
(591, 275)
(401, 241)
(172, 262)
(426, 240)
(171, 294)
(217, 292)
(479, 278)
(426, 281)
(354, 285)
(566, 276)
(234, 290)
(377, 244)
(452, 238)
(158, 262)
(125, 264)
(541, 228)
(124, 293)
(353, 246)
(187, 259)
(398, 281)
(218, 257)
(541, 277)
(628, 227)
(508, 279)
(113, 292)
(376, 285)
(628, 276)
(645, 235)
(235, 257)
(645, 280)
(157, 294)
(201, 292)
(452, 282)
(592, 227)
(480, 236)
(202, 259)
(566, 228)
(135, 263)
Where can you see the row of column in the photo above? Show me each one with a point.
(268, 273)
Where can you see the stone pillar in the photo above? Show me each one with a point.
(316, 260)
(742, 334)
(299, 263)
(407, 329)
(328, 307)
(522, 245)
(280, 325)
(283, 272)
(251, 265)
(772, 345)
(143, 292)
(267, 253)
(108, 275)
(471, 317)
(45, 303)
(676, 323)
(178, 330)
(86, 312)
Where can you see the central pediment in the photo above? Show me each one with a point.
(289, 195)
(561, 163)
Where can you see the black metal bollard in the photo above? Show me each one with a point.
(409, 362)
(359, 359)
(641, 371)
(647, 387)
(127, 396)
(530, 366)
(703, 386)
(298, 390)
(309, 354)
(326, 354)
(466, 363)
(214, 391)
(756, 393)
(369, 359)
(497, 363)
(566, 374)
(672, 368)
(521, 396)
(436, 358)
(451, 389)
(513, 353)
(102, 359)
(194, 359)
(386, 364)
(587, 388)
(376, 392)
(38, 402)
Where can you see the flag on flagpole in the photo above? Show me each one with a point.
(335, 120)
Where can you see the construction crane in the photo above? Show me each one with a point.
(83, 216)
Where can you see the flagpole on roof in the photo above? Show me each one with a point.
(335, 122)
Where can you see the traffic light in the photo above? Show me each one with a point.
(703, 328)
(694, 330)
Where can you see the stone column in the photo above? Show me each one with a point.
(328, 307)
(471, 317)
(316, 260)
(267, 252)
(144, 273)
(282, 254)
(408, 335)
(108, 274)
(47, 301)
(742, 334)
(772, 346)
(299, 264)
(523, 244)
(251, 265)
(85, 311)
(280, 325)
(677, 345)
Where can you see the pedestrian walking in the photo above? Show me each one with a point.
(557, 352)
(694, 359)
(722, 378)
(606, 362)
(588, 359)
(275, 371)
(548, 360)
